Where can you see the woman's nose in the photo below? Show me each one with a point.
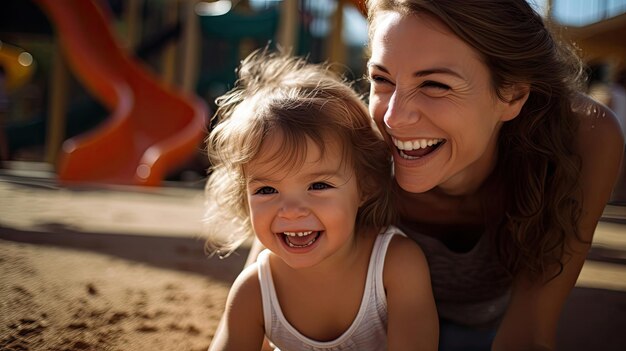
(400, 111)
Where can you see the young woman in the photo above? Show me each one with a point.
(298, 163)
(504, 168)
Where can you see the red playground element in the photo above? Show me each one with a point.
(360, 5)
(152, 130)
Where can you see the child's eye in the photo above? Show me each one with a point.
(320, 186)
(266, 190)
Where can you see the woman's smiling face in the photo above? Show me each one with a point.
(431, 96)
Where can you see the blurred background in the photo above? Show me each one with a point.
(186, 48)
(86, 91)
(104, 105)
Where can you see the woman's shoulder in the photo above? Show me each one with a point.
(600, 145)
(596, 120)
(599, 134)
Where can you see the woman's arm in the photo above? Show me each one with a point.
(412, 316)
(531, 319)
(241, 327)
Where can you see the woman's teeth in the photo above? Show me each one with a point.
(416, 144)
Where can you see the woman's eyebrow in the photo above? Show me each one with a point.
(377, 66)
(437, 70)
(421, 73)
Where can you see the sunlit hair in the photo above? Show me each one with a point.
(279, 95)
(538, 170)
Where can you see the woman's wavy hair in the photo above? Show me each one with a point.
(538, 170)
(280, 95)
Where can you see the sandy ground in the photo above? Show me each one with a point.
(107, 271)
(124, 269)
(52, 299)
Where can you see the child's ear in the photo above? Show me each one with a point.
(516, 97)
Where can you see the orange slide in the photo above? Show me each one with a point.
(151, 130)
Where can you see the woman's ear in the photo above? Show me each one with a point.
(364, 198)
(516, 97)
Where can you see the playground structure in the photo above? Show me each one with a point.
(151, 130)
(128, 92)
(119, 133)
(17, 64)
(229, 30)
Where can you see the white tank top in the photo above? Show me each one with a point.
(369, 328)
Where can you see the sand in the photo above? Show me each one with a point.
(89, 270)
(63, 299)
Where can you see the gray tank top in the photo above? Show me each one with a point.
(470, 288)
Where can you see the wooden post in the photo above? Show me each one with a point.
(55, 131)
(168, 60)
(549, 12)
(288, 26)
(133, 20)
(190, 47)
(336, 48)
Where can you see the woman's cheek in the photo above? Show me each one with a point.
(377, 111)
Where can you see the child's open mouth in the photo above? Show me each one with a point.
(300, 239)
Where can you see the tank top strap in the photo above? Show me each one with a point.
(268, 293)
(377, 261)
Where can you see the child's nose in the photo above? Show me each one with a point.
(291, 209)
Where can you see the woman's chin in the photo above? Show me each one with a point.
(413, 184)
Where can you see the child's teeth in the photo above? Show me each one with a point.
(299, 233)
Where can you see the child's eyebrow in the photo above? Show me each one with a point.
(324, 174)
(318, 174)
(259, 180)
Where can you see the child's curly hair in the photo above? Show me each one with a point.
(277, 92)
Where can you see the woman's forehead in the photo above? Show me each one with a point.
(412, 43)
(388, 23)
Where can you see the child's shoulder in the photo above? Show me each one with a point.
(401, 244)
(403, 255)
(247, 283)
(243, 314)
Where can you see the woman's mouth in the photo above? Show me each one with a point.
(416, 148)
(300, 239)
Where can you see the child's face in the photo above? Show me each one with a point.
(307, 214)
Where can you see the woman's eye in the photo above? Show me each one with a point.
(266, 190)
(378, 79)
(435, 89)
(320, 186)
(435, 85)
